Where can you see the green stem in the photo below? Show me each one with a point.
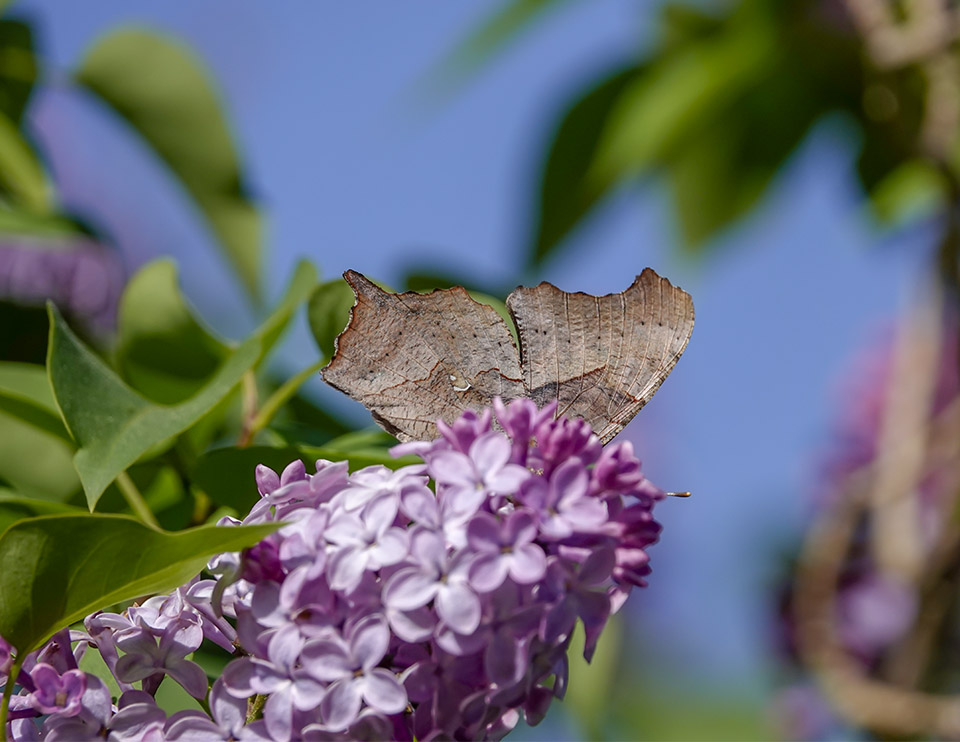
(135, 500)
(8, 691)
(281, 396)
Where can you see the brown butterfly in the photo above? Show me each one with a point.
(413, 358)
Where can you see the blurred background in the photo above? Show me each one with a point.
(793, 164)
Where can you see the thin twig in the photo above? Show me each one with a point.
(281, 396)
(249, 405)
(135, 500)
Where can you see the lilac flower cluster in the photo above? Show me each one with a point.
(382, 609)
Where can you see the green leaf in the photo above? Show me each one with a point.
(18, 68)
(112, 424)
(720, 175)
(163, 351)
(55, 570)
(25, 394)
(566, 195)
(165, 93)
(590, 691)
(20, 222)
(661, 109)
(328, 313)
(914, 190)
(35, 449)
(227, 475)
(21, 175)
(92, 662)
(15, 507)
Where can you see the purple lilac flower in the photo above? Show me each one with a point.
(436, 601)
(55, 693)
(145, 660)
(505, 549)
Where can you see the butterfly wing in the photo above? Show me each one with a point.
(413, 358)
(600, 357)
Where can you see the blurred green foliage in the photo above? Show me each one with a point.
(715, 107)
(161, 90)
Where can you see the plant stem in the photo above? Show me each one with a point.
(255, 706)
(280, 397)
(8, 690)
(135, 500)
(249, 403)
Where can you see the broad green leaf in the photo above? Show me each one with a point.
(21, 175)
(227, 475)
(33, 460)
(26, 223)
(657, 112)
(92, 662)
(590, 692)
(25, 394)
(681, 714)
(112, 424)
(722, 174)
(305, 421)
(16, 507)
(163, 350)
(165, 93)
(329, 312)
(55, 570)
(18, 68)
(566, 193)
(171, 697)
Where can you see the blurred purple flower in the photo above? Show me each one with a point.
(80, 275)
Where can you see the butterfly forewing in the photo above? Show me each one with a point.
(600, 357)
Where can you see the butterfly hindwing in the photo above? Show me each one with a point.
(600, 357)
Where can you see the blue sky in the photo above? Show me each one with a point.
(354, 175)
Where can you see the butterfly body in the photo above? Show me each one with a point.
(414, 358)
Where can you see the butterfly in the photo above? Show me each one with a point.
(413, 358)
